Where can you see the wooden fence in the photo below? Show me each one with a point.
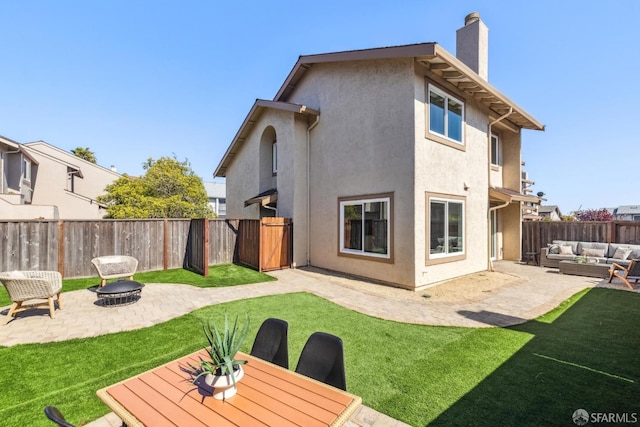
(265, 244)
(68, 246)
(537, 234)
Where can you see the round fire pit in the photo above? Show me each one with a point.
(118, 293)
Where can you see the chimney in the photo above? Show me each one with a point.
(113, 169)
(472, 45)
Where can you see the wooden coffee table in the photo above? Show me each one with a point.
(585, 269)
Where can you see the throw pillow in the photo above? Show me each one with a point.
(622, 253)
(593, 252)
(553, 249)
(566, 250)
(16, 275)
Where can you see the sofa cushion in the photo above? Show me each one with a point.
(593, 245)
(566, 250)
(636, 252)
(560, 257)
(613, 247)
(622, 253)
(573, 244)
(622, 262)
(593, 252)
(554, 249)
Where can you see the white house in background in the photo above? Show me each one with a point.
(40, 181)
(627, 213)
(400, 164)
(550, 211)
(217, 193)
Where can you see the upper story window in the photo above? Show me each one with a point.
(26, 169)
(495, 150)
(365, 226)
(446, 115)
(274, 157)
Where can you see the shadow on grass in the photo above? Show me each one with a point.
(587, 358)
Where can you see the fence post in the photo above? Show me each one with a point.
(61, 247)
(205, 247)
(165, 243)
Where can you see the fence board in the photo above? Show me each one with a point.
(69, 246)
(275, 243)
(537, 234)
(249, 243)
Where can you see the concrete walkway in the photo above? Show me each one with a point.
(532, 292)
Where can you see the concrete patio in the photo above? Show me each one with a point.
(513, 294)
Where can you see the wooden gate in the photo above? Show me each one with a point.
(265, 244)
(197, 256)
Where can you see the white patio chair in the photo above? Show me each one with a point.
(32, 285)
(115, 267)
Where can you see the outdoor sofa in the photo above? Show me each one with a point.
(608, 253)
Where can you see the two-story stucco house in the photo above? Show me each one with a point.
(401, 164)
(43, 181)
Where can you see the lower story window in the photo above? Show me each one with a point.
(365, 226)
(446, 227)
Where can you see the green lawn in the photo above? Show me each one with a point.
(219, 275)
(582, 355)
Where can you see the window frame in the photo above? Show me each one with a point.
(362, 254)
(26, 169)
(439, 258)
(450, 141)
(274, 158)
(498, 153)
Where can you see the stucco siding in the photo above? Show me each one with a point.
(52, 185)
(445, 170)
(362, 145)
(243, 179)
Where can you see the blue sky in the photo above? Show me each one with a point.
(139, 79)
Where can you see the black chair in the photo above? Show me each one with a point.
(271, 342)
(54, 415)
(322, 359)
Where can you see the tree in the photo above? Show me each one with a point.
(84, 153)
(593, 215)
(168, 189)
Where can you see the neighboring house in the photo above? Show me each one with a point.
(54, 184)
(401, 164)
(217, 193)
(551, 211)
(627, 213)
(17, 178)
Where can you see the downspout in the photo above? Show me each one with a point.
(495, 208)
(275, 210)
(309, 129)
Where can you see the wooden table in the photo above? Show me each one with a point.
(584, 269)
(268, 395)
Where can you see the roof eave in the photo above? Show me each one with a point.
(247, 125)
(448, 67)
(437, 60)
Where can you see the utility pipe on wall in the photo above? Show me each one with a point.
(309, 129)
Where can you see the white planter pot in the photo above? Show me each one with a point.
(223, 387)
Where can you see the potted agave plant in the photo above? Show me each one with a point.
(223, 370)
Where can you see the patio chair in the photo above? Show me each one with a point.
(54, 415)
(322, 359)
(115, 267)
(271, 342)
(29, 285)
(631, 271)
